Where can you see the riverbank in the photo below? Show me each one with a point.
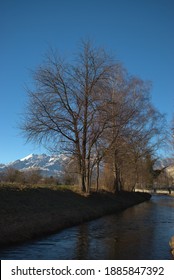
(30, 213)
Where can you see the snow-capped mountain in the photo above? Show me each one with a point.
(48, 165)
(164, 162)
(167, 164)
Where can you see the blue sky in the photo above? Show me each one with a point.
(140, 33)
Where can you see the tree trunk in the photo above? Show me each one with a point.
(98, 174)
(82, 174)
(81, 180)
(117, 186)
(117, 181)
(88, 179)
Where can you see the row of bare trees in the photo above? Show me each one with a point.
(12, 175)
(95, 112)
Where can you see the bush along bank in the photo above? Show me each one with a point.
(31, 213)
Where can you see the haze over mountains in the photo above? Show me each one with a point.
(48, 165)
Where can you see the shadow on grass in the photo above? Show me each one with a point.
(32, 212)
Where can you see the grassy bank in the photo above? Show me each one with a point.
(32, 212)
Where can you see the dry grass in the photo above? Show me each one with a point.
(27, 213)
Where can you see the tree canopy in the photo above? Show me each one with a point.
(92, 110)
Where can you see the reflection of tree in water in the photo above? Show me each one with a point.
(138, 233)
(128, 235)
(82, 246)
(135, 234)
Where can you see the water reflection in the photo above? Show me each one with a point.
(122, 236)
(140, 232)
(82, 244)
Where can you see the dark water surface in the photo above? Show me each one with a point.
(140, 232)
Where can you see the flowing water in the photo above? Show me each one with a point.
(140, 232)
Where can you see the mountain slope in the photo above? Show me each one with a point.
(48, 165)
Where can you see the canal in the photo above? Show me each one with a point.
(140, 232)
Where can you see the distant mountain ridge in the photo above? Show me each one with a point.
(53, 165)
(167, 164)
(48, 165)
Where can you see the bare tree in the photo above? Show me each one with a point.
(136, 127)
(91, 109)
(66, 105)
